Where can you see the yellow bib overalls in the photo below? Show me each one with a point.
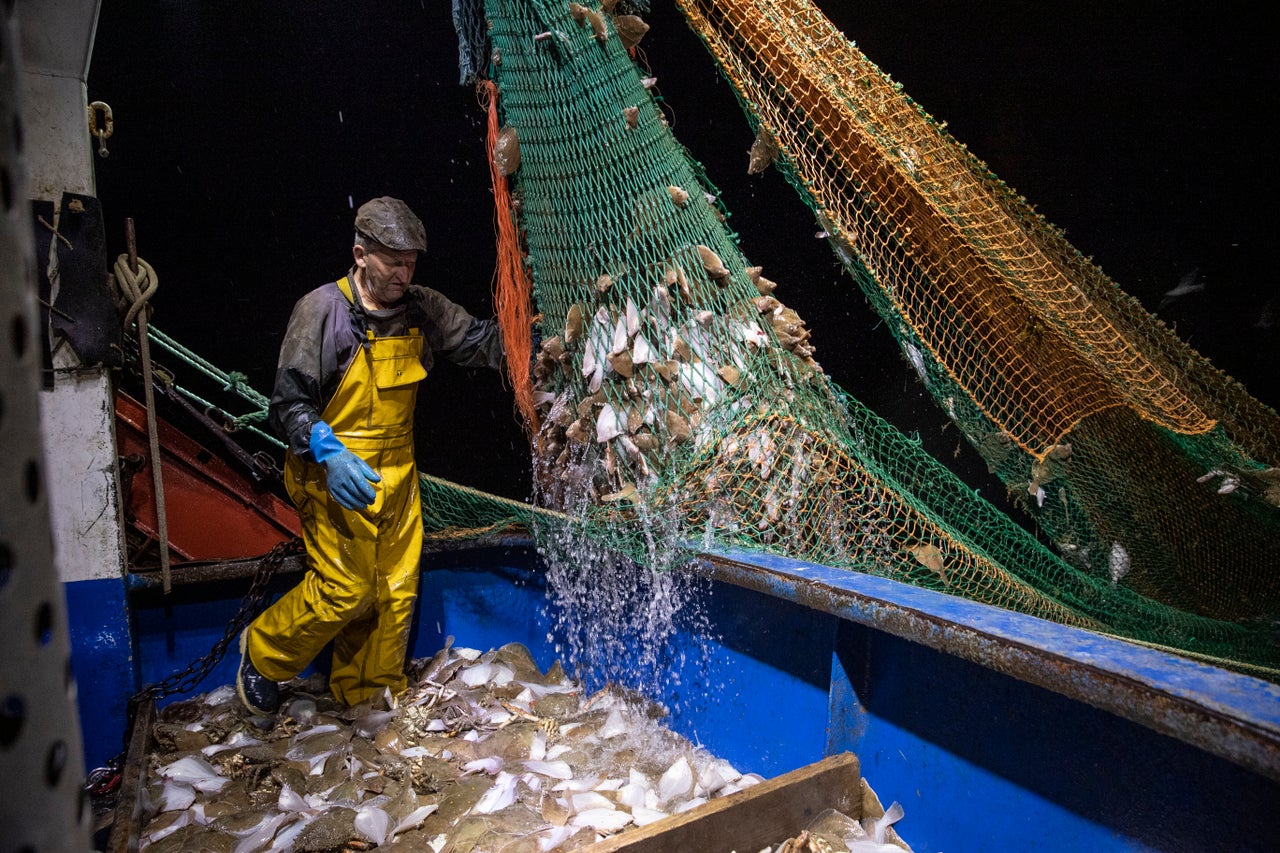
(363, 579)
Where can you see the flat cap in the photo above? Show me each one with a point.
(390, 221)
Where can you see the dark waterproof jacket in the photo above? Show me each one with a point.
(326, 329)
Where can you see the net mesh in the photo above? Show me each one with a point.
(678, 396)
(1138, 458)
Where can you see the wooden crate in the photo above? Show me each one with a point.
(760, 816)
(126, 830)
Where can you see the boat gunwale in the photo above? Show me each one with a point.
(1227, 714)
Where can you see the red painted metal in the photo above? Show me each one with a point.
(213, 511)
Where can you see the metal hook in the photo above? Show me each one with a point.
(102, 130)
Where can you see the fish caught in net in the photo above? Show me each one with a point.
(673, 382)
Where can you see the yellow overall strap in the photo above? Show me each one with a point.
(344, 284)
(372, 407)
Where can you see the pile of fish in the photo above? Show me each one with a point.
(833, 831)
(482, 752)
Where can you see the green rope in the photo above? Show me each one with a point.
(233, 381)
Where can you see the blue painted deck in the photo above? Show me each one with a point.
(995, 731)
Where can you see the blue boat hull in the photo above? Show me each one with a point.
(995, 731)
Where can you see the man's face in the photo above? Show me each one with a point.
(387, 272)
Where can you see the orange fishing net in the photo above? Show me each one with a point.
(1139, 458)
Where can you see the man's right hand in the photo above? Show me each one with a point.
(350, 479)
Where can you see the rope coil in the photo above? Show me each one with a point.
(137, 288)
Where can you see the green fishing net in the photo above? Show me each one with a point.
(678, 397)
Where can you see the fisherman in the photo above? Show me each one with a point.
(353, 355)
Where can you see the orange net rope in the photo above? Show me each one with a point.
(512, 287)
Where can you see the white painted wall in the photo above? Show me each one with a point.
(59, 153)
(76, 417)
(78, 424)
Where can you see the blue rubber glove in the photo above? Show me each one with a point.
(349, 477)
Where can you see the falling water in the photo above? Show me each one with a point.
(638, 621)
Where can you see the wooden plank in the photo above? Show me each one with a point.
(126, 830)
(750, 820)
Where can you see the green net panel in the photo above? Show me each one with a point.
(454, 512)
(1143, 463)
(679, 396)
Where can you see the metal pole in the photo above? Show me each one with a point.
(149, 397)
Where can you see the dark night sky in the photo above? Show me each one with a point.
(240, 136)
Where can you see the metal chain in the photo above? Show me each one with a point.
(198, 670)
(103, 781)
